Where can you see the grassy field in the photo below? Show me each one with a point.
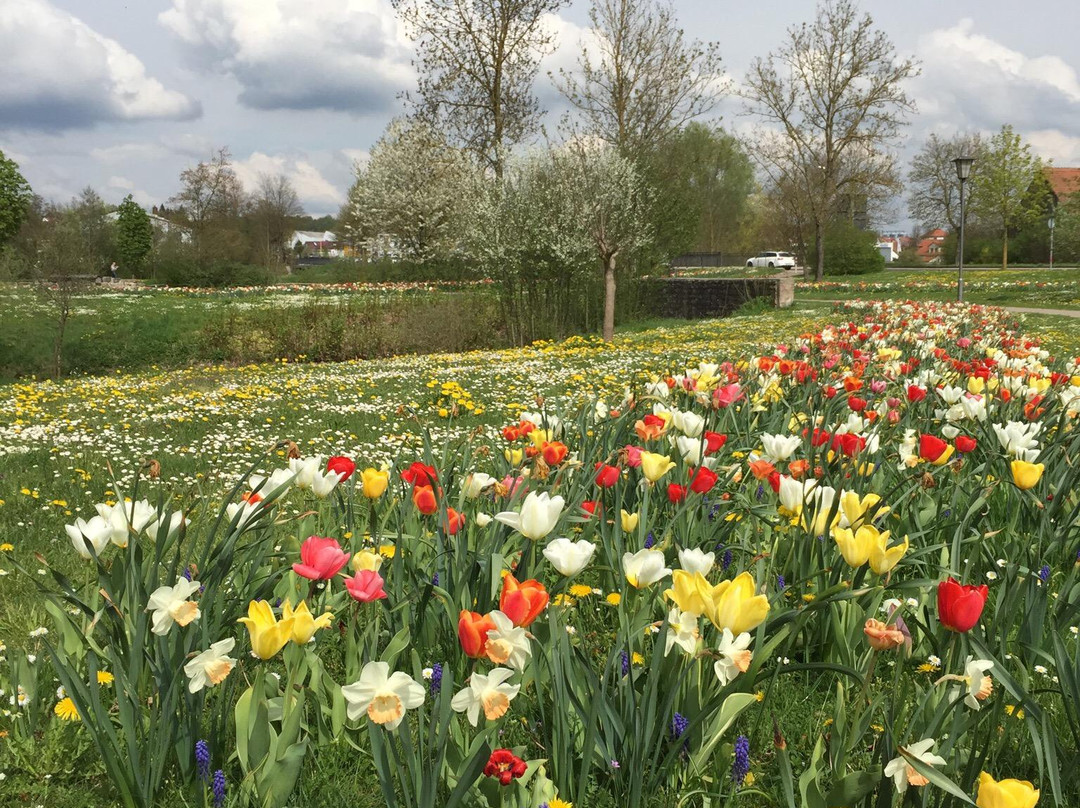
(165, 328)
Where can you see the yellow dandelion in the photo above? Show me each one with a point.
(808, 597)
(563, 599)
(760, 695)
(6, 547)
(387, 550)
(614, 598)
(927, 667)
(637, 658)
(580, 590)
(105, 678)
(65, 710)
(557, 803)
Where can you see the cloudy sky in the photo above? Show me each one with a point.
(123, 95)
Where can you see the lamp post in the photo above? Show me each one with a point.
(963, 171)
(1050, 224)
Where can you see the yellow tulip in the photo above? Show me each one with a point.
(654, 466)
(374, 482)
(365, 560)
(882, 557)
(629, 521)
(857, 511)
(1025, 474)
(513, 456)
(1005, 793)
(304, 624)
(856, 546)
(948, 453)
(733, 605)
(976, 384)
(689, 591)
(539, 437)
(268, 635)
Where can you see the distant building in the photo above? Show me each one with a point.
(888, 251)
(1064, 182)
(161, 225)
(310, 242)
(931, 247)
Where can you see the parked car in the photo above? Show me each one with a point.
(772, 258)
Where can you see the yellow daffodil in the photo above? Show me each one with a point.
(1005, 793)
(268, 634)
(304, 623)
(373, 482)
(654, 466)
(1025, 474)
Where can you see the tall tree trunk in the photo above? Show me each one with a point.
(1005, 249)
(819, 245)
(609, 298)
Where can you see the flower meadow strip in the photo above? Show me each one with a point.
(622, 587)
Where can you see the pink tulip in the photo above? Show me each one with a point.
(726, 395)
(878, 385)
(963, 342)
(365, 586)
(320, 559)
(633, 456)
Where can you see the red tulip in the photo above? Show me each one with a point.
(320, 559)
(522, 602)
(964, 444)
(473, 630)
(423, 497)
(960, 607)
(714, 442)
(341, 465)
(857, 404)
(915, 393)
(931, 447)
(726, 395)
(702, 480)
(365, 586)
(419, 474)
(589, 506)
(676, 493)
(505, 765)
(606, 476)
(830, 391)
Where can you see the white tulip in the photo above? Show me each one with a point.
(694, 560)
(96, 531)
(569, 557)
(645, 567)
(538, 515)
(474, 484)
(779, 447)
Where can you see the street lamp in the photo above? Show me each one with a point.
(1050, 224)
(963, 171)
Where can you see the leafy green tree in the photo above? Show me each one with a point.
(1005, 192)
(134, 234)
(15, 198)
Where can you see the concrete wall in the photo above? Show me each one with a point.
(698, 298)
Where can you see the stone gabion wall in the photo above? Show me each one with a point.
(698, 298)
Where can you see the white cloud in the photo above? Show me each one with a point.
(348, 55)
(58, 73)
(1053, 144)
(314, 190)
(977, 82)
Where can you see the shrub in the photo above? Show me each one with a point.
(851, 251)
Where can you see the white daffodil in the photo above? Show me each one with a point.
(490, 693)
(211, 666)
(979, 685)
(694, 560)
(538, 515)
(682, 630)
(569, 557)
(507, 644)
(779, 447)
(172, 605)
(904, 774)
(96, 531)
(644, 567)
(383, 696)
(734, 656)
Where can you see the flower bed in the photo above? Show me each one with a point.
(844, 566)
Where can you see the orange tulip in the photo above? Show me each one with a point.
(473, 631)
(423, 497)
(522, 602)
(761, 469)
(554, 452)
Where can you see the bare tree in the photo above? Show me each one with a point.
(211, 192)
(477, 61)
(274, 206)
(647, 81)
(934, 191)
(834, 90)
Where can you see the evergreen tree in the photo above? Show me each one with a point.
(134, 234)
(15, 198)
